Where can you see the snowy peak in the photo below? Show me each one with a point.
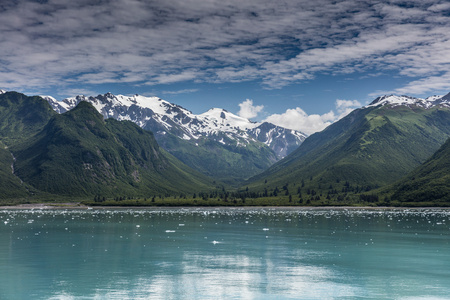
(283, 141)
(64, 105)
(162, 117)
(408, 101)
(443, 100)
(156, 104)
(2, 92)
(221, 120)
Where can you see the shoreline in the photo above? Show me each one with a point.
(77, 205)
(67, 205)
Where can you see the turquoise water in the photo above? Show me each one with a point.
(225, 254)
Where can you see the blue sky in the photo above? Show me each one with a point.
(299, 64)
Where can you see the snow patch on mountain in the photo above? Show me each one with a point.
(222, 120)
(408, 101)
(2, 92)
(162, 117)
(62, 106)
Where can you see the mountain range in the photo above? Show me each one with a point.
(396, 147)
(217, 143)
(79, 154)
(371, 147)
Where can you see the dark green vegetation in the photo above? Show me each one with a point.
(22, 116)
(79, 154)
(430, 182)
(10, 185)
(370, 148)
(226, 162)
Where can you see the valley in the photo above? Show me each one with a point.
(118, 150)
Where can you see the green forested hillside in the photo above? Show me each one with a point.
(22, 116)
(369, 148)
(79, 154)
(430, 182)
(229, 162)
(10, 185)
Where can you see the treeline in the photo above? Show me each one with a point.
(339, 193)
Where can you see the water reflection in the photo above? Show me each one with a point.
(224, 253)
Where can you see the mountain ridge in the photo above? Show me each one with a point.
(80, 153)
(211, 122)
(430, 182)
(371, 147)
(409, 101)
(217, 143)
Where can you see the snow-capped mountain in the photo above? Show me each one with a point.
(217, 142)
(427, 103)
(281, 140)
(162, 117)
(2, 92)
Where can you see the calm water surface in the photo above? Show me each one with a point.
(225, 253)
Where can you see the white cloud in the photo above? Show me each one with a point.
(278, 43)
(439, 7)
(422, 86)
(73, 92)
(171, 78)
(185, 91)
(248, 110)
(298, 119)
(344, 107)
(344, 104)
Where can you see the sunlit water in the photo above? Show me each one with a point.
(225, 253)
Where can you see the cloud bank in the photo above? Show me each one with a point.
(277, 43)
(248, 110)
(299, 120)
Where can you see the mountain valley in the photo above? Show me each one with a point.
(393, 151)
(217, 143)
(79, 154)
(371, 147)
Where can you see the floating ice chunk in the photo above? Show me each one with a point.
(266, 229)
(170, 231)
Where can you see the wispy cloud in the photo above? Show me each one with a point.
(65, 43)
(185, 91)
(74, 92)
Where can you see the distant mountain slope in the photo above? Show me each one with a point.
(78, 153)
(10, 185)
(22, 116)
(217, 142)
(429, 182)
(371, 147)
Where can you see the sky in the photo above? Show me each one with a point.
(296, 63)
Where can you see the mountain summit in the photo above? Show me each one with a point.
(392, 100)
(146, 111)
(217, 142)
(78, 153)
(371, 147)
